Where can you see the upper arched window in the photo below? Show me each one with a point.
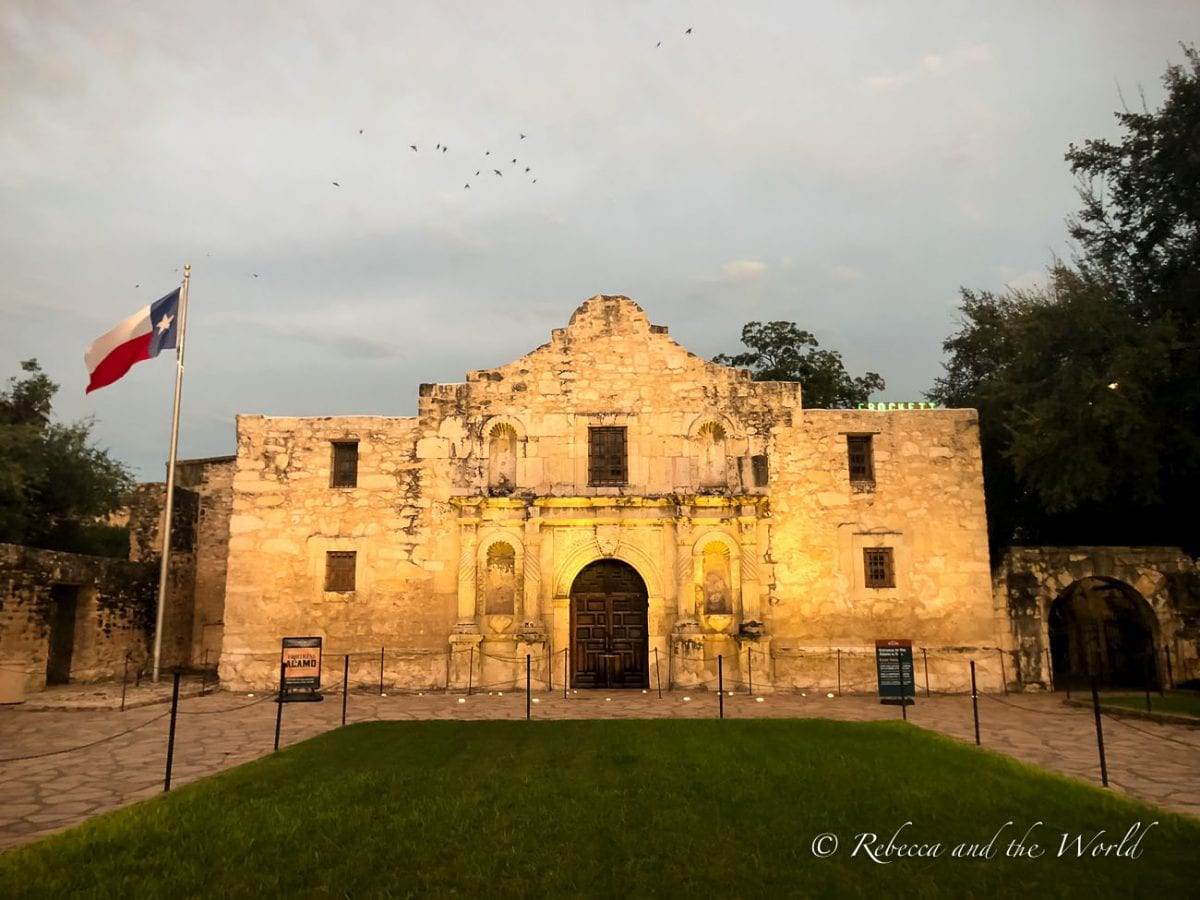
(502, 458)
(711, 440)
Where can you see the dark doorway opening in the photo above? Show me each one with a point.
(1103, 628)
(64, 606)
(609, 642)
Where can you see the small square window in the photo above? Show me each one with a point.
(862, 463)
(339, 570)
(345, 464)
(880, 571)
(606, 456)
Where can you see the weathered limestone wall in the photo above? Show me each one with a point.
(195, 601)
(114, 610)
(211, 481)
(471, 521)
(285, 517)
(1028, 580)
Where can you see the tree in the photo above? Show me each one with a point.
(1070, 444)
(1089, 391)
(54, 484)
(779, 351)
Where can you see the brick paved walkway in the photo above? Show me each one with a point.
(1157, 763)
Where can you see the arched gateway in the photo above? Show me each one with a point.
(609, 605)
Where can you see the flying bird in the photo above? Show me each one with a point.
(335, 184)
(522, 137)
(514, 162)
(437, 146)
(443, 149)
(689, 31)
(476, 173)
(659, 44)
(360, 131)
(255, 274)
(466, 187)
(414, 147)
(498, 172)
(487, 152)
(527, 168)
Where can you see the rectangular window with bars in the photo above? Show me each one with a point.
(880, 571)
(345, 464)
(606, 456)
(862, 465)
(339, 570)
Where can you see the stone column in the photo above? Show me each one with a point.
(531, 598)
(685, 572)
(468, 539)
(748, 544)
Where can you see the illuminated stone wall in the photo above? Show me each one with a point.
(471, 520)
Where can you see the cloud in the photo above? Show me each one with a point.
(845, 274)
(883, 83)
(744, 269)
(931, 65)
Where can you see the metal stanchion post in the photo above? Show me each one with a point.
(925, 656)
(345, 687)
(1099, 732)
(171, 732)
(549, 671)
(279, 703)
(528, 686)
(1003, 675)
(124, 682)
(975, 702)
(470, 668)
(658, 672)
(721, 685)
(839, 670)
(1147, 679)
(566, 674)
(380, 671)
(750, 670)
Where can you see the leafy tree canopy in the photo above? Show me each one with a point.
(1088, 390)
(54, 484)
(779, 351)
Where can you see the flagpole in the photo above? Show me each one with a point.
(170, 504)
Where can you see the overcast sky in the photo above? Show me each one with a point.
(846, 166)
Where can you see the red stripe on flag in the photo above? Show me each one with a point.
(119, 361)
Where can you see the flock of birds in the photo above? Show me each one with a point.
(487, 164)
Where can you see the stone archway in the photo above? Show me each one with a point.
(1102, 627)
(609, 634)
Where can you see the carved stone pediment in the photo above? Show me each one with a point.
(608, 538)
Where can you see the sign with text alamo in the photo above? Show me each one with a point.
(302, 663)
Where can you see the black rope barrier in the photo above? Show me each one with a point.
(104, 740)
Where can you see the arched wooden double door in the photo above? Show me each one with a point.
(609, 627)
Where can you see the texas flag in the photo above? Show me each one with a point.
(139, 337)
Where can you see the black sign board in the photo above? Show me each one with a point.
(894, 668)
(302, 663)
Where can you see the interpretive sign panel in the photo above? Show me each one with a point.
(302, 663)
(894, 668)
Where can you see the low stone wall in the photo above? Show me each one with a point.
(73, 614)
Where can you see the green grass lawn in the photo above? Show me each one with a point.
(666, 807)
(1177, 703)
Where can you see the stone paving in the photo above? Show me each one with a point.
(42, 791)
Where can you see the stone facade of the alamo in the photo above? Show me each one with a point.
(618, 510)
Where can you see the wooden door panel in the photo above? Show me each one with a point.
(609, 627)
